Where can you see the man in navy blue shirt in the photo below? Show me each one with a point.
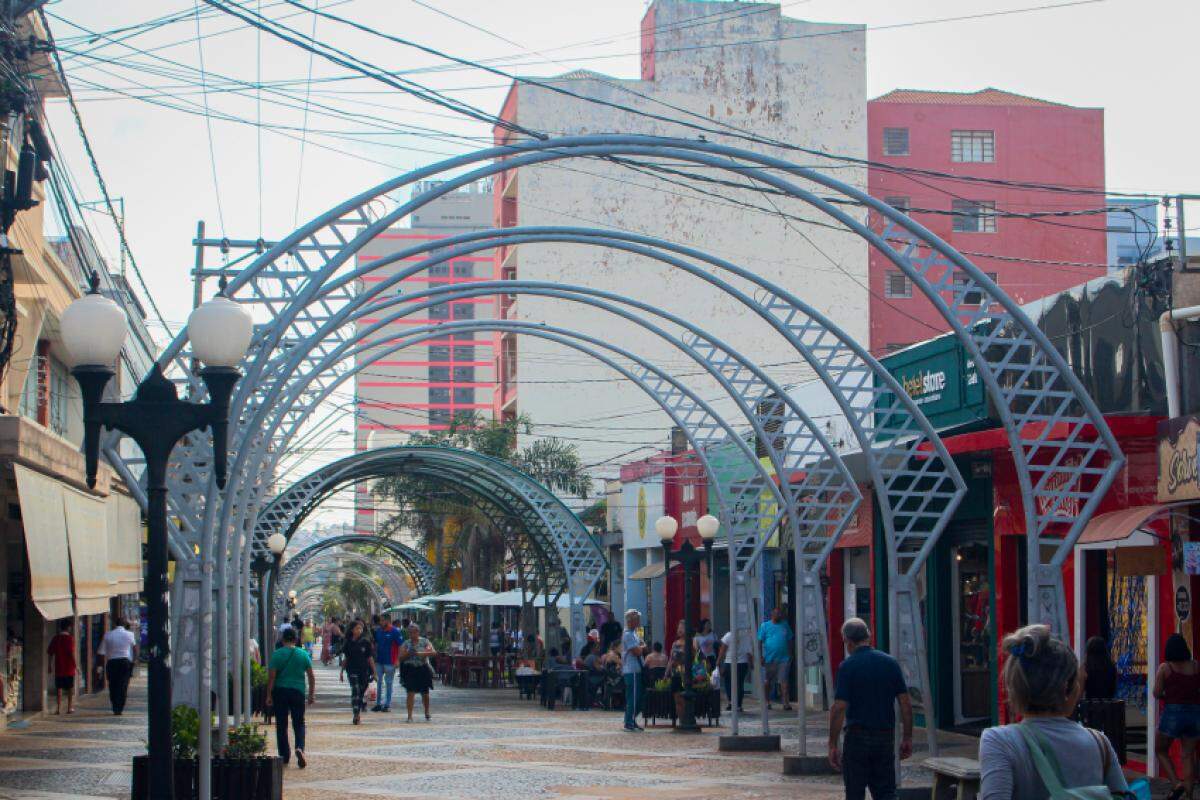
(869, 684)
(387, 654)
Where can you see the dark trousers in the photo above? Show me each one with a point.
(869, 762)
(358, 687)
(288, 703)
(742, 671)
(117, 672)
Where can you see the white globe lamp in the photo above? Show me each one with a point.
(707, 526)
(666, 527)
(93, 329)
(220, 332)
(277, 543)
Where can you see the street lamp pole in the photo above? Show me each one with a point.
(690, 558)
(93, 330)
(276, 543)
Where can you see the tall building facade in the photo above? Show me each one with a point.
(734, 67)
(422, 388)
(1034, 242)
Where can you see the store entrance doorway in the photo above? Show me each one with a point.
(971, 615)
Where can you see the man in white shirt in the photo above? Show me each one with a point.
(119, 650)
(745, 661)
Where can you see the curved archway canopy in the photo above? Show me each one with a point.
(1029, 382)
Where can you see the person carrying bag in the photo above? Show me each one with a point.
(1049, 770)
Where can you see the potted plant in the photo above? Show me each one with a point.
(258, 688)
(660, 702)
(240, 772)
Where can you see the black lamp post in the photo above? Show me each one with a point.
(93, 331)
(690, 558)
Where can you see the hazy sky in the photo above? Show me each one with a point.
(1130, 58)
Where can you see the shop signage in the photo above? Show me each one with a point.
(1178, 476)
(641, 506)
(941, 378)
(1183, 603)
(1135, 561)
(1191, 558)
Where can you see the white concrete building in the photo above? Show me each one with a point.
(730, 66)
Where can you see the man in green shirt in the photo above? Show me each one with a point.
(288, 667)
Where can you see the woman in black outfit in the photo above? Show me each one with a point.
(358, 661)
(1101, 681)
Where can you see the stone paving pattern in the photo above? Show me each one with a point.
(483, 744)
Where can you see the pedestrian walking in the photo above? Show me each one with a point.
(328, 631)
(776, 637)
(745, 660)
(1047, 751)
(308, 636)
(287, 670)
(869, 686)
(1177, 685)
(63, 666)
(416, 673)
(358, 661)
(496, 639)
(705, 643)
(387, 656)
(119, 650)
(632, 648)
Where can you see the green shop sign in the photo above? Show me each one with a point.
(940, 377)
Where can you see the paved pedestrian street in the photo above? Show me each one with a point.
(483, 744)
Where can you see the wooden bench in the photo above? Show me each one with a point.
(954, 778)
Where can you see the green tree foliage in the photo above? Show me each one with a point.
(427, 504)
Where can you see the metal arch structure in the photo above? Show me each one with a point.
(414, 564)
(361, 571)
(1066, 456)
(555, 533)
(393, 581)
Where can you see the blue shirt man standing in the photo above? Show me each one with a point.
(387, 655)
(775, 636)
(632, 649)
(869, 684)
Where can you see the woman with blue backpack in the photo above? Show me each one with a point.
(1047, 755)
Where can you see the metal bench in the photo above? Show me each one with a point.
(954, 778)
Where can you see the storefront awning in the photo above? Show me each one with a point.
(1117, 525)
(124, 544)
(44, 521)
(648, 572)
(87, 538)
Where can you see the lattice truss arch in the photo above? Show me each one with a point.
(541, 532)
(297, 569)
(415, 565)
(1083, 446)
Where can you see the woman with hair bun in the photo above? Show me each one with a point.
(1177, 684)
(1047, 751)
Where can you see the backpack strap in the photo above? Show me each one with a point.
(1102, 743)
(1043, 760)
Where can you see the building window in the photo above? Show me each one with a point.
(439, 311)
(897, 284)
(973, 147)
(441, 270)
(463, 269)
(464, 397)
(440, 354)
(439, 395)
(974, 216)
(47, 391)
(464, 353)
(464, 311)
(464, 375)
(900, 203)
(439, 416)
(895, 141)
(439, 374)
(973, 297)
